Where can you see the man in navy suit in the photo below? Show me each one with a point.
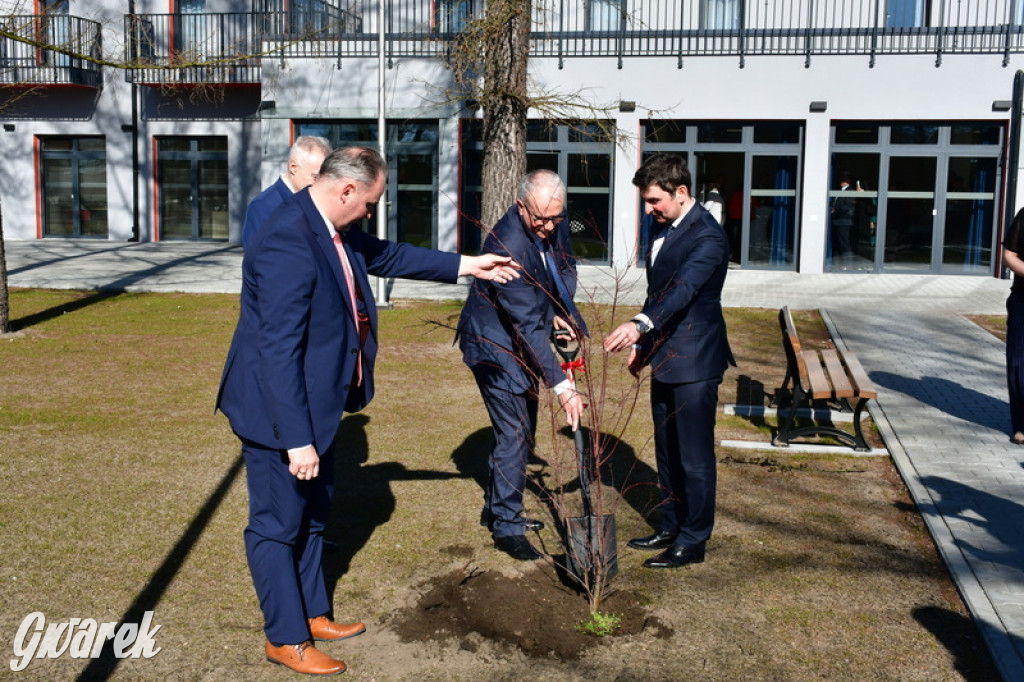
(680, 334)
(304, 159)
(302, 353)
(505, 336)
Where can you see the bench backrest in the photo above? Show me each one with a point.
(791, 343)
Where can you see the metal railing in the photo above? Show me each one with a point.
(229, 47)
(29, 50)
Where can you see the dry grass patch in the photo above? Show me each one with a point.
(121, 492)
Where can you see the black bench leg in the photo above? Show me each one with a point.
(779, 399)
(781, 438)
(860, 444)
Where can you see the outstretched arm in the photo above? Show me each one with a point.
(491, 267)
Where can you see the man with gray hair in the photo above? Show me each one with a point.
(504, 333)
(302, 354)
(304, 159)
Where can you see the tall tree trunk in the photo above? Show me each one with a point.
(505, 104)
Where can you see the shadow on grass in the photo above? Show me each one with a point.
(958, 635)
(363, 499)
(62, 309)
(102, 667)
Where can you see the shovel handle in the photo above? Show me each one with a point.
(583, 464)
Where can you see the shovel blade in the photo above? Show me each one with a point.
(592, 547)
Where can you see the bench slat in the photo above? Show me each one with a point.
(864, 387)
(841, 387)
(819, 386)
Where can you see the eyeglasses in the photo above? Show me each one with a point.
(540, 220)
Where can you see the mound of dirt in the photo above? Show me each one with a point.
(533, 612)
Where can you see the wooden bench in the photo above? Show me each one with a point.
(811, 375)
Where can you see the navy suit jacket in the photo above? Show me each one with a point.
(290, 370)
(505, 329)
(684, 302)
(260, 208)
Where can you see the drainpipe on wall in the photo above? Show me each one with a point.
(1013, 155)
(135, 140)
(382, 135)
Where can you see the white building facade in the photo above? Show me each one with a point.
(772, 101)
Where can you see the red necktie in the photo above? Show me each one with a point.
(351, 283)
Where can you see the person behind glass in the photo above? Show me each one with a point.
(680, 334)
(1013, 258)
(841, 219)
(302, 354)
(504, 332)
(713, 202)
(304, 159)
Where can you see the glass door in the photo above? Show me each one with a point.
(970, 211)
(910, 213)
(74, 186)
(725, 170)
(412, 174)
(190, 33)
(192, 182)
(772, 236)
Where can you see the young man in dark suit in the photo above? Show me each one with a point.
(505, 335)
(680, 334)
(303, 353)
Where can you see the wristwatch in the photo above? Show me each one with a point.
(642, 326)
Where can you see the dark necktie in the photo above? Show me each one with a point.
(563, 291)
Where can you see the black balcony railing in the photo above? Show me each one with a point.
(230, 47)
(39, 49)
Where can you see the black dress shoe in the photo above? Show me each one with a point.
(660, 540)
(677, 556)
(528, 524)
(517, 547)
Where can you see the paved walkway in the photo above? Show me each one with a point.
(942, 399)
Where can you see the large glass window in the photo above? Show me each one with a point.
(452, 16)
(720, 14)
(921, 197)
(907, 13)
(580, 152)
(413, 167)
(190, 33)
(606, 15)
(56, 31)
(192, 185)
(74, 186)
(755, 167)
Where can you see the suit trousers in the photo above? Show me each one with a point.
(684, 443)
(514, 423)
(1015, 359)
(284, 541)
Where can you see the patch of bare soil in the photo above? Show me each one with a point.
(532, 612)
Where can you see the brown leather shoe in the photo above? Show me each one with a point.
(324, 629)
(305, 658)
